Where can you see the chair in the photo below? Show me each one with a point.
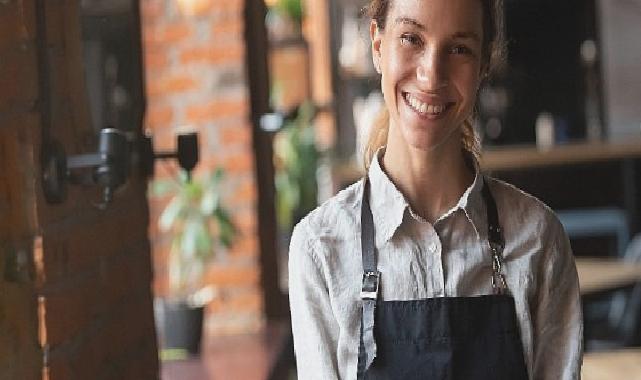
(621, 328)
(589, 222)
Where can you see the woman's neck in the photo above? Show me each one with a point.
(432, 181)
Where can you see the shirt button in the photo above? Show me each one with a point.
(432, 247)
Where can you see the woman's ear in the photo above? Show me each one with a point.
(376, 37)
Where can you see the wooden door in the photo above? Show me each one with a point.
(20, 356)
(75, 279)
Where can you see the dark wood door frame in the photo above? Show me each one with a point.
(276, 303)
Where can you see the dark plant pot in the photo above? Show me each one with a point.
(180, 326)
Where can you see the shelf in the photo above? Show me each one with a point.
(359, 77)
(527, 157)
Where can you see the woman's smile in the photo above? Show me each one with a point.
(426, 107)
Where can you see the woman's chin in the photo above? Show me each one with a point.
(429, 136)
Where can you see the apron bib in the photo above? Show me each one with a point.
(444, 338)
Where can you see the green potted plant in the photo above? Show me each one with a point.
(199, 227)
(296, 160)
(284, 19)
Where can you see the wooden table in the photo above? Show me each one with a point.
(615, 365)
(598, 275)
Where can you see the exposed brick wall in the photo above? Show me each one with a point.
(80, 306)
(196, 76)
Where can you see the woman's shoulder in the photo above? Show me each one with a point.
(521, 207)
(338, 215)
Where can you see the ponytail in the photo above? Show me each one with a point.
(377, 136)
(470, 139)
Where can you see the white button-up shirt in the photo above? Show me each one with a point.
(449, 258)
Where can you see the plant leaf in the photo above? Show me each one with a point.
(170, 213)
(209, 201)
(163, 186)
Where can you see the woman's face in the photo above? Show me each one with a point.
(429, 57)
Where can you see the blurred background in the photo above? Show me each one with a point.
(156, 155)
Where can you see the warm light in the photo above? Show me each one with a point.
(194, 7)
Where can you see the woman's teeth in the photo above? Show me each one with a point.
(424, 108)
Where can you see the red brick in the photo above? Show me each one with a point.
(197, 8)
(236, 135)
(158, 116)
(213, 55)
(161, 285)
(216, 109)
(230, 8)
(239, 163)
(246, 222)
(250, 301)
(155, 59)
(245, 247)
(215, 306)
(234, 276)
(227, 27)
(167, 34)
(244, 194)
(151, 11)
(164, 139)
(170, 85)
(208, 159)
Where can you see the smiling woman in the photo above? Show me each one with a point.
(488, 44)
(426, 268)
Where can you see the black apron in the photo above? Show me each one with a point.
(445, 338)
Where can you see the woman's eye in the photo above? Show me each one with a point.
(461, 49)
(410, 39)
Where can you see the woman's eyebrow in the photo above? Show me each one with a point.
(467, 36)
(410, 21)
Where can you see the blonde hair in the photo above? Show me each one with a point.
(492, 60)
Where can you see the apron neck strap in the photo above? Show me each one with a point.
(368, 249)
(495, 240)
(371, 276)
(367, 232)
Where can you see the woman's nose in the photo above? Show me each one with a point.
(431, 70)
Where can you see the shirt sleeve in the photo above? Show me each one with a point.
(314, 326)
(558, 320)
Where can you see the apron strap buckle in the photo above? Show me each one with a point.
(498, 279)
(369, 290)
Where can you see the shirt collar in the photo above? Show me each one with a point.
(388, 204)
(386, 201)
(472, 202)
